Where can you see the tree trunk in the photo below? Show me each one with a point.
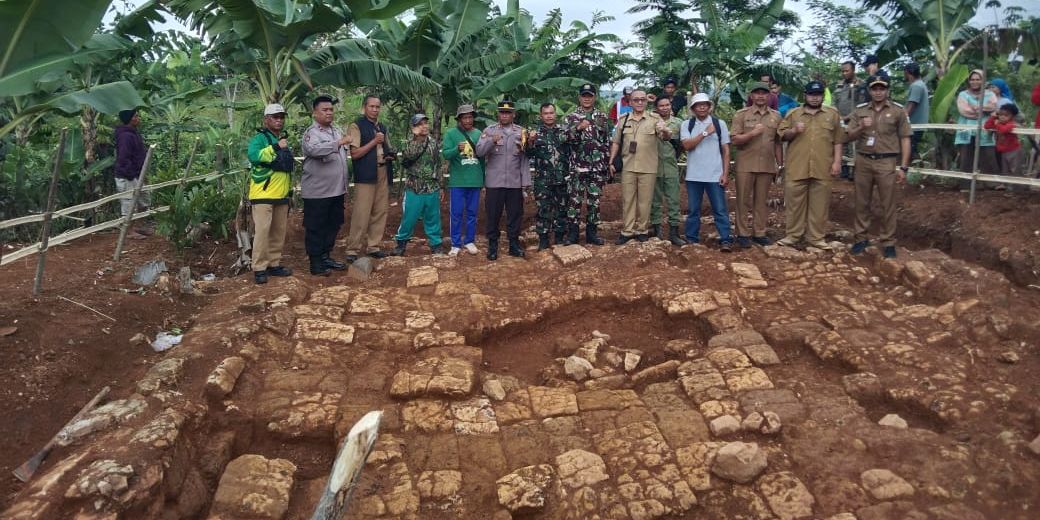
(88, 122)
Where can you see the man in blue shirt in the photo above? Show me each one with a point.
(706, 141)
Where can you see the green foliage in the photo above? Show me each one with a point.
(201, 206)
(946, 93)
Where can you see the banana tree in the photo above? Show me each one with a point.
(41, 41)
(938, 25)
(268, 40)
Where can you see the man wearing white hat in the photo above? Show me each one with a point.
(269, 186)
(706, 141)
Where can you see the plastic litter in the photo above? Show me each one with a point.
(165, 341)
(209, 277)
(149, 272)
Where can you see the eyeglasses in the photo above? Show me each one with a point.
(638, 100)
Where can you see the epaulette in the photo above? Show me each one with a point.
(896, 104)
(861, 105)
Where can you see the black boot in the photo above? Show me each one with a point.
(591, 237)
(515, 249)
(399, 250)
(561, 237)
(655, 230)
(543, 241)
(674, 237)
(572, 235)
(492, 253)
(332, 264)
(318, 266)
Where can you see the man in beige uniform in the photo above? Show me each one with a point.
(813, 159)
(881, 132)
(759, 154)
(639, 130)
(373, 172)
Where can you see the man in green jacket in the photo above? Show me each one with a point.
(269, 188)
(466, 180)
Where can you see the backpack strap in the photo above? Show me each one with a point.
(718, 132)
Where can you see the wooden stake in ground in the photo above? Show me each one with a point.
(133, 206)
(28, 469)
(46, 230)
(347, 468)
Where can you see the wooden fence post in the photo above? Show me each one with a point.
(133, 206)
(187, 169)
(46, 230)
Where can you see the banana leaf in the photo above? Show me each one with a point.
(946, 92)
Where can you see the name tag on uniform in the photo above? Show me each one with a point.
(870, 141)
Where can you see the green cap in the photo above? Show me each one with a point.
(759, 85)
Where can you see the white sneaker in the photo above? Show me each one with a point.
(471, 248)
(454, 251)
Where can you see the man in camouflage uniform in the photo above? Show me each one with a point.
(548, 153)
(588, 133)
(666, 188)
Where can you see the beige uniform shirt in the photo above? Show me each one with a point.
(811, 153)
(642, 131)
(757, 155)
(890, 125)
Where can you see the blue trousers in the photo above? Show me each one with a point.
(716, 193)
(463, 204)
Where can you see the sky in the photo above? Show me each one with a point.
(622, 25)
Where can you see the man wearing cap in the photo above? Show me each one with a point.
(323, 185)
(773, 100)
(373, 173)
(706, 141)
(422, 184)
(847, 96)
(881, 131)
(636, 142)
(917, 104)
(507, 174)
(623, 105)
(269, 189)
(871, 65)
(549, 154)
(130, 154)
(588, 134)
(759, 156)
(466, 178)
(666, 187)
(815, 138)
(669, 90)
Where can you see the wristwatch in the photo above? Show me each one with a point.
(704, 134)
(904, 168)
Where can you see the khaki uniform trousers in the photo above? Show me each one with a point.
(368, 217)
(807, 204)
(753, 196)
(269, 221)
(637, 193)
(880, 173)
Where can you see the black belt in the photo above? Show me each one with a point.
(879, 155)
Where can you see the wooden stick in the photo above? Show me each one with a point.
(133, 205)
(88, 308)
(46, 231)
(28, 469)
(187, 169)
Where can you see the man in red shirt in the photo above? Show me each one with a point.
(1036, 102)
(622, 106)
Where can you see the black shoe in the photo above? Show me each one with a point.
(332, 264)
(279, 270)
(437, 249)
(318, 267)
(622, 240)
(762, 241)
(860, 247)
(260, 277)
(492, 253)
(890, 251)
(675, 237)
(726, 247)
(642, 237)
(572, 235)
(561, 237)
(399, 250)
(378, 254)
(351, 259)
(744, 242)
(591, 237)
(515, 249)
(543, 241)
(655, 230)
